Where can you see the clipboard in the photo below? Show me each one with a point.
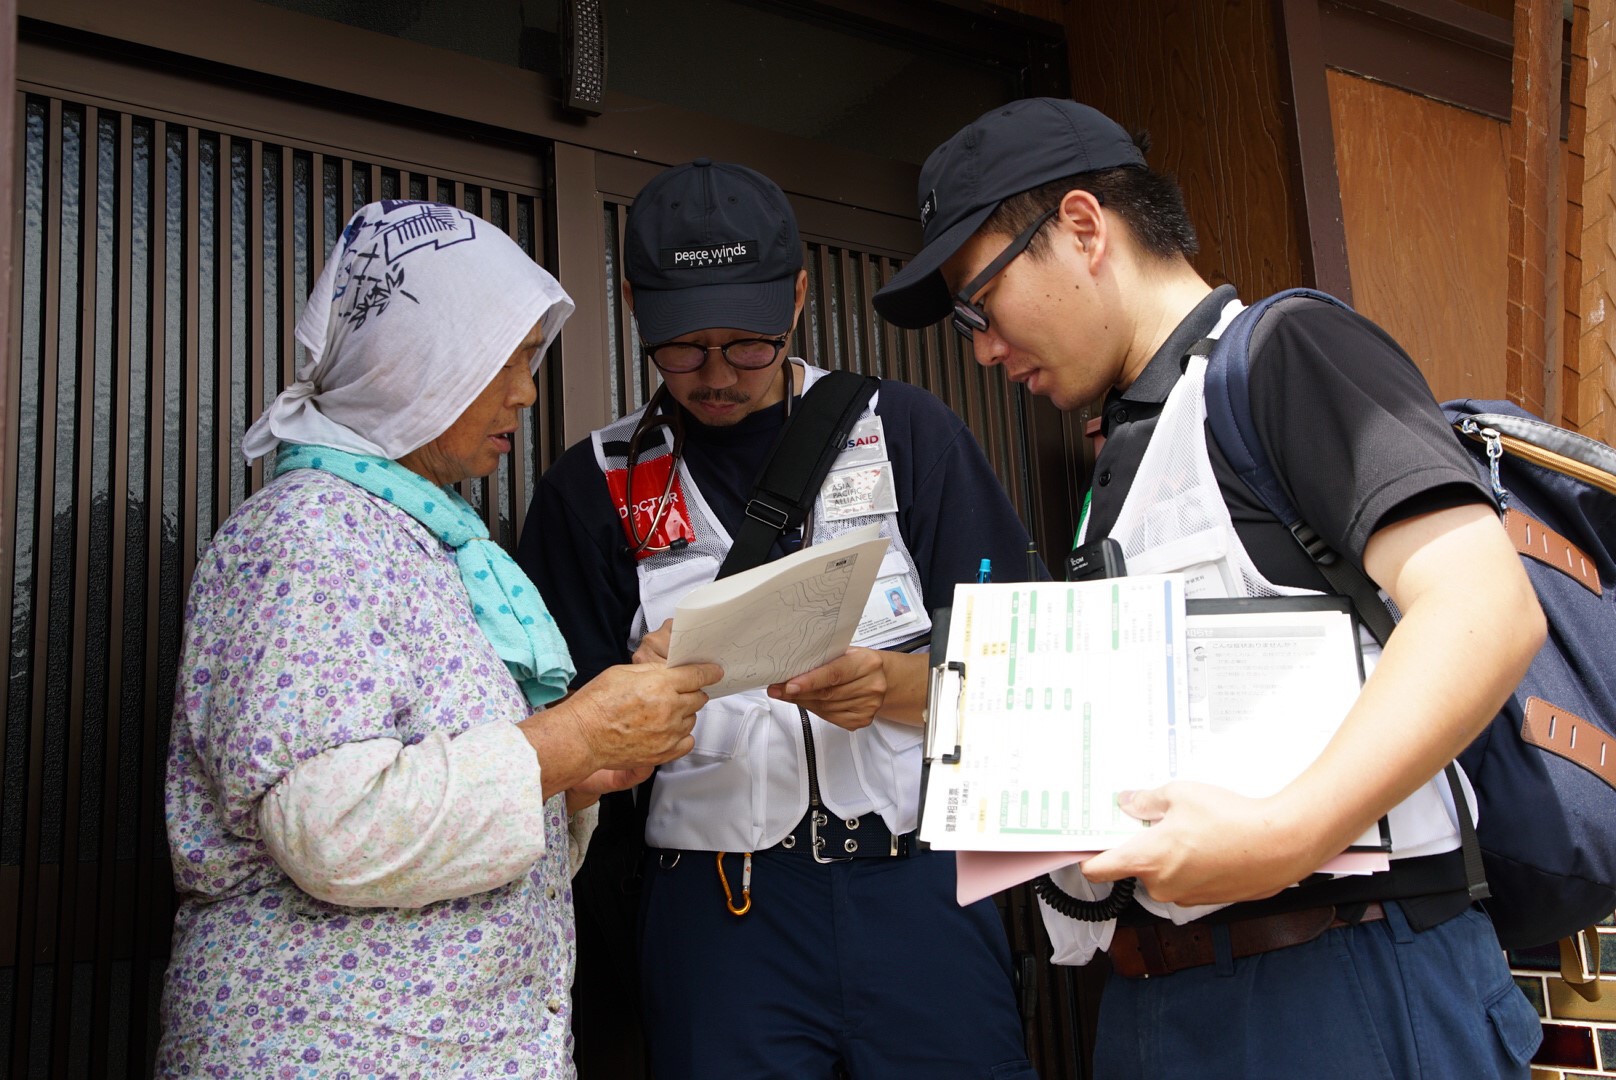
(940, 619)
(946, 739)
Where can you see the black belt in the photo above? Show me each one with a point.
(833, 839)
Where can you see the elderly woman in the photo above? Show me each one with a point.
(368, 803)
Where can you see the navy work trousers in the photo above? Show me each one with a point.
(1375, 1000)
(866, 968)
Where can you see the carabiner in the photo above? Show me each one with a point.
(1495, 450)
(746, 885)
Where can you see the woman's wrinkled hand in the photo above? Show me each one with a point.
(603, 782)
(632, 717)
(638, 715)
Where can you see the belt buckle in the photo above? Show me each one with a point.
(817, 842)
(1126, 956)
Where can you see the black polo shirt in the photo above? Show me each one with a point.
(1358, 443)
(1346, 418)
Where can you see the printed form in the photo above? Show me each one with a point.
(1069, 693)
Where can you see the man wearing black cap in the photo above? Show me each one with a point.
(790, 929)
(1065, 259)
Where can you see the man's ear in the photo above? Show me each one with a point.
(802, 296)
(1083, 222)
(628, 296)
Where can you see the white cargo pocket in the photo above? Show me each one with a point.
(888, 761)
(722, 725)
(662, 587)
(896, 737)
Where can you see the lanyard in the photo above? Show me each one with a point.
(1083, 518)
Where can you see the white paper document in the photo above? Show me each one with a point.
(1057, 696)
(1268, 687)
(780, 619)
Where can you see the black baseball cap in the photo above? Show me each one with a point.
(711, 244)
(1011, 149)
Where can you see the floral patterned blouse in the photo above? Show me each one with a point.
(339, 715)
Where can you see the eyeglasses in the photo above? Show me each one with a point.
(746, 354)
(968, 316)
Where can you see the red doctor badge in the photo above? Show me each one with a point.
(659, 526)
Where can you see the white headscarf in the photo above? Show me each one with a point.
(418, 307)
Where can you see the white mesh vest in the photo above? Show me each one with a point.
(1174, 520)
(745, 785)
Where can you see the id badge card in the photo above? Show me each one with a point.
(861, 491)
(866, 444)
(890, 606)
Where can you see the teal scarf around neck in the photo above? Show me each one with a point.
(507, 605)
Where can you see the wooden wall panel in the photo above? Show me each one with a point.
(1203, 77)
(1423, 202)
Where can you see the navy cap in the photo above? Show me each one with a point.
(1011, 149)
(711, 244)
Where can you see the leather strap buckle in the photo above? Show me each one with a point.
(772, 516)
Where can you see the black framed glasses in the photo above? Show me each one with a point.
(968, 316)
(746, 354)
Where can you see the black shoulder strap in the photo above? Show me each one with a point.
(785, 490)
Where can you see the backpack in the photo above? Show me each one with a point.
(1544, 770)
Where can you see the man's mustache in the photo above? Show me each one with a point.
(726, 394)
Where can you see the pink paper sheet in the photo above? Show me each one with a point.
(982, 873)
